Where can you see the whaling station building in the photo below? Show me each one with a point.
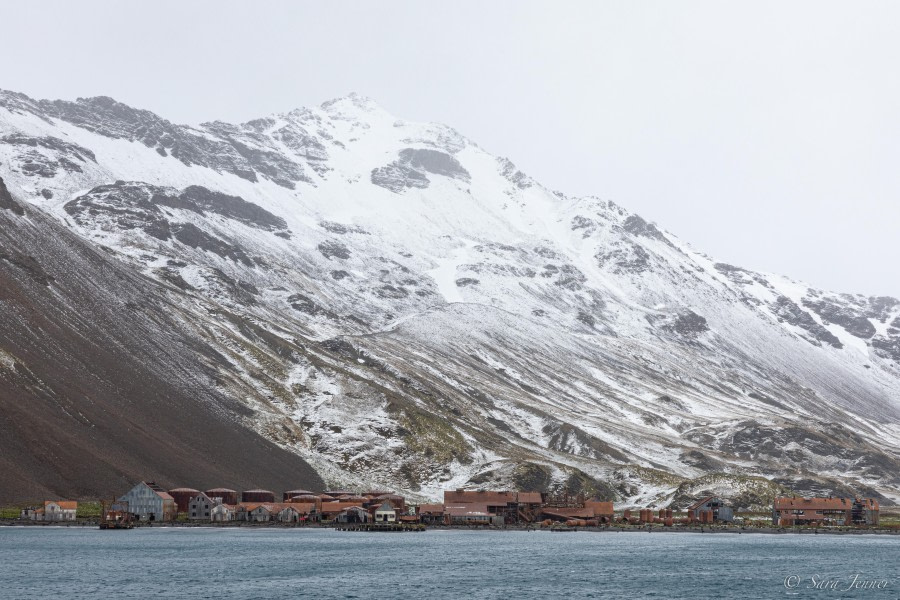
(709, 510)
(147, 502)
(787, 512)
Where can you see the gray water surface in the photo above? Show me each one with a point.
(262, 563)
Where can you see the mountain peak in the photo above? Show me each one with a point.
(352, 103)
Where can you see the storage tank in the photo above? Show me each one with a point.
(286, 497)
(304, 499)
(182, 497)
(257, 496)
(228, 496)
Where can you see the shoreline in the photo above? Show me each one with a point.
(608, 530)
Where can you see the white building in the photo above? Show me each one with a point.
(61, 510)
(385, 513)
(221, 513)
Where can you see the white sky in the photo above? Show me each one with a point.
(766, 134)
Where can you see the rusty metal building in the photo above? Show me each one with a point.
(825, 511)
(259, 496)
(182, 497)
(227, 495)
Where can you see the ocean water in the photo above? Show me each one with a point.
(263, 563)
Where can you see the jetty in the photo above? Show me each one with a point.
(382, 527)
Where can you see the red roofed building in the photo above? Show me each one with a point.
(825, 511)
(56, 510)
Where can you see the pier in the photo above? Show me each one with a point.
(385, 527)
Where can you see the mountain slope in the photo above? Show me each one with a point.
(401, 308)
(101, 382)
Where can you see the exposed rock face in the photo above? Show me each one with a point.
(689, 323)
(387, 302)
(7, 202)
(786, 309)
(409, 170)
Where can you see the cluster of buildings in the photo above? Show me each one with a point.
(52, 511)
(147, 501)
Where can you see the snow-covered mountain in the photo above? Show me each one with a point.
(401, 308)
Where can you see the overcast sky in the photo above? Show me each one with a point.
(766, 134)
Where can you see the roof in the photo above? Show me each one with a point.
(336, 507)
(222, 490)
(431, 508)
(822, 503)
(530, 498)
(158, 490)
(700, 502)
(298, 492)
(192, 490)
(386, 506)
(63, 504)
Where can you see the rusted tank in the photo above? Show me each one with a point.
(227, 495)
(182, 497)
(669, 521)
(304, 498)
(286, 496)
(626, 515)
(257, 496)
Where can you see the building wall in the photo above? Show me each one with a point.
(53, 512)
(147, 505)
(200, 508)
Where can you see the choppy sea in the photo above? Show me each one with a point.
(263, 563)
